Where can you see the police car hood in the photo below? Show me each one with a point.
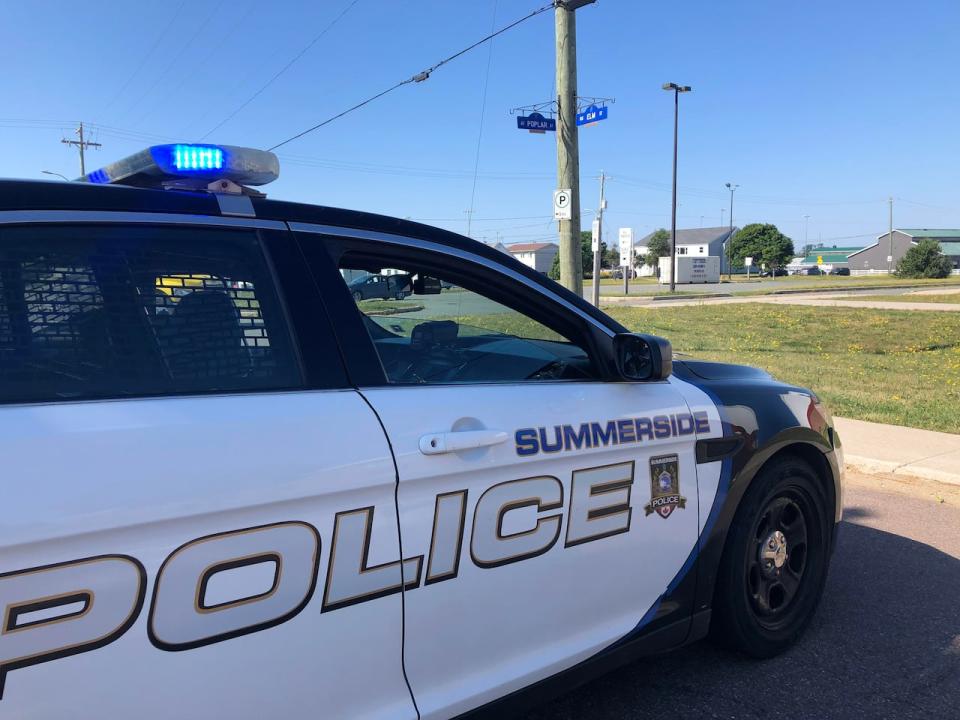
(709, 370)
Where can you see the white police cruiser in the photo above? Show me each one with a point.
(232, 489)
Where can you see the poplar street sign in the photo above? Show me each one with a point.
(591, 115)
(536, 123)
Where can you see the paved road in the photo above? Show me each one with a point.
(884, 644)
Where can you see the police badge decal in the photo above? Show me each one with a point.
(665, 486)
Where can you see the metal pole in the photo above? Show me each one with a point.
(730, 234)
(568, 153)
(890, 254)
(599, 251)
(673, 215)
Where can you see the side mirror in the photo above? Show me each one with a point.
(426, 285)
(643, 357)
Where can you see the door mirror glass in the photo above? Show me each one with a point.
(643, 358)
(425, 285)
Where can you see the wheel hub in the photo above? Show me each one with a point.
(773, 553)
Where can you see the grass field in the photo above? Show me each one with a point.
(896, 367)
(945, 298)
(740, 286)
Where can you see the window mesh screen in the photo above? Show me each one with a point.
(112, 312)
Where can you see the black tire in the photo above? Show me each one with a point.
(357, 297)
(761, 607)
(398, 295)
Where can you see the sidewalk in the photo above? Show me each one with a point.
(873, 447)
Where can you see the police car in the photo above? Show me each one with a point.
(232, 490)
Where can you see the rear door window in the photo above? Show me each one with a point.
(116, 311)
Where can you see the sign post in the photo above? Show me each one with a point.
(748, 261)
(626, 256)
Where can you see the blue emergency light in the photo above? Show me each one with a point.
(189, 166)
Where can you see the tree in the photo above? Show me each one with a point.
(764, 243)
(924, 260)
(586, 256)
(657, 247)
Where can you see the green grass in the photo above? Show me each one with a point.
(387, 307)
(897, 367)
(945, 298)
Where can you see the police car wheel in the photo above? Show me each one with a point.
(775, 561)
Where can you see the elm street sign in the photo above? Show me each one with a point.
(591, 115)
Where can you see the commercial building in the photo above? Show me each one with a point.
(833, 256)
(538, 256)
(873, 258)
(697, 242)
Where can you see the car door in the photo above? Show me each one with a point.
(550, 509)
(194, 524)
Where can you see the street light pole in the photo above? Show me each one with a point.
(806, 232)
(50, 172)
(677, 89)
(731, 187)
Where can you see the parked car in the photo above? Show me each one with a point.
(381, 287)
(811, 271)
(840, 271)
(778, 272)
(265, 502)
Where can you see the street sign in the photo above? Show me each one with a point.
(536, 123)
(748, 261)
(819, 259)
(562, 205)
(591, 115)
(889, 258)
(626, 247)
(595, 235)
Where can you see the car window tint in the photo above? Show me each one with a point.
(451, 334)
(92, 311)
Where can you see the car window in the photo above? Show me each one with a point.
(93, 311)
(453, 334)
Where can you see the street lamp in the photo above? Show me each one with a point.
(677, 89)
(731, 187)
(49, 172)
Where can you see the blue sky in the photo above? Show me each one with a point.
(815, 108)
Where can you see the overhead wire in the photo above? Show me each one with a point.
(483, 111)
(282, 70)
(419, 77)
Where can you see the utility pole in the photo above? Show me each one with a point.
(677, 89)
(890, 254)
(469, 214)
(568, 147)
(598, 250)
(82, 145)
(731, 187)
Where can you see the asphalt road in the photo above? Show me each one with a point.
(885, 642)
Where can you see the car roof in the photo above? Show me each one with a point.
(80, 196)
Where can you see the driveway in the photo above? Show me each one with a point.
(884, 644)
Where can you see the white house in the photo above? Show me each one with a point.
(698, 242)
(538, 256)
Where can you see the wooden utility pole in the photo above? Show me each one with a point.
(568, 148)
(82, 145)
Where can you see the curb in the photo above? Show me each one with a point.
(874, 466)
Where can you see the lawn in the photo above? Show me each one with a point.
(888, 366)
(740, 286)
(945, 298)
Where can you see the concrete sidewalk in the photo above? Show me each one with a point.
(873, 447)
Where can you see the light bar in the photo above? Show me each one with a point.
(197, 157)
(190, 166)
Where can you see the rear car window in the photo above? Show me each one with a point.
(112, 311)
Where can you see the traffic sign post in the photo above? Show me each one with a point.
(748, 261)
(562, 205)
(626, 256)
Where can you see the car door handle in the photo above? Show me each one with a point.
(448, 442)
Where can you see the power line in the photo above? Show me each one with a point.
(282, 70)
(143, 61)
(483, 110)
(419, 77)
